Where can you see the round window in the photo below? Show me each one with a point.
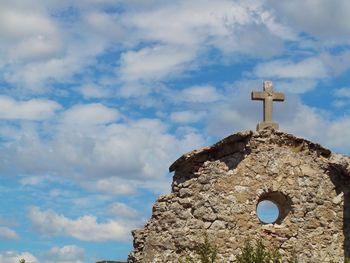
(267, 211)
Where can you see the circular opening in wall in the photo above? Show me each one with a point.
(273, 207)
(267, 212)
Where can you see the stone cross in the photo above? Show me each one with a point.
(268, 96)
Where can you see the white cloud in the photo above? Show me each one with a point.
(46, 45)
(342, 97)
(33, 180)
(284, 31)
(316, 125)
(88, 201)
(178, 41)
(93, 91)
(113, 158)
(342, 92)
(154, 63)
(60, 193)
(297, 86)
(198, 22)
(340, 103)
(140, 149)
(180, 38)
(325, 19)
(304, 75)
(336, 63)
(90, 114)
(338, 133)
(65, 254)
(311, 68)
(15, 257)
(305, 121)
(225, 120)
(199, 94)
(123, 211)
(7, 233)
(37, 47)
(16, 23)
(36, 76)
(40, 49)
(34, 109)
(112, 186)
(83, 228)
(187, 116)
(105, 25)
(190, 25)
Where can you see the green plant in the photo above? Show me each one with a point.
(294, 258)
(258, 253)
(22, 260)
(298, 148)
(205, 253)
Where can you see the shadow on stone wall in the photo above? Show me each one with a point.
(234, 147)
(346, 223)
(341, 182)
(189, 170)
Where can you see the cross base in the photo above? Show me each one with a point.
(265, 124)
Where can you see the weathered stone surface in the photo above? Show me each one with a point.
(216, 190)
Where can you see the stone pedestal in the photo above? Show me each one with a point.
(267, 124)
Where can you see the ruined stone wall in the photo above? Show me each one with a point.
(216, 191)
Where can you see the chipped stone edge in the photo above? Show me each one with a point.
(336, 160)
(191, 156)
(340, 162)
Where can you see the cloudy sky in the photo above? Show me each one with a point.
(99, 97)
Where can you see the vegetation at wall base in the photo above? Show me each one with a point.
(205, 253)
(258, 254)
(251, 253)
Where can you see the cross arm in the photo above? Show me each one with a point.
(258, 95)
(278, 96)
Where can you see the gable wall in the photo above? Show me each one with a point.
(219, 198)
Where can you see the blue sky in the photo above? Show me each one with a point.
(99, 97)
(267, 211)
